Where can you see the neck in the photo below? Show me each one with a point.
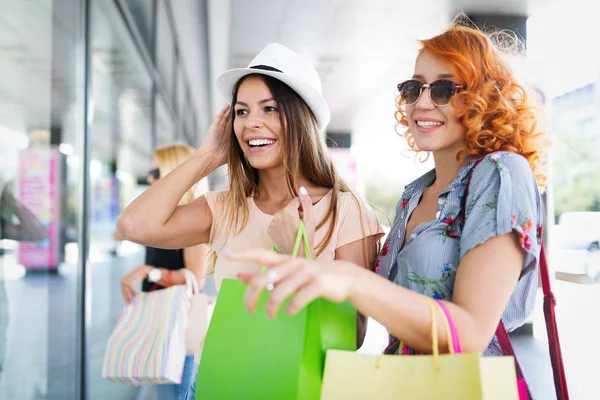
(446, 169)
(272, 185)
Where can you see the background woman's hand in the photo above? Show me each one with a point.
(131, 280)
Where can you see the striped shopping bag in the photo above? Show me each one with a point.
(148, 343)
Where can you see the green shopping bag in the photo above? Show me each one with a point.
(247, 356)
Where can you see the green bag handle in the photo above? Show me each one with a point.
(301, 236)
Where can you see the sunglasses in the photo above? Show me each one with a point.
(440, 91)
(155, 173)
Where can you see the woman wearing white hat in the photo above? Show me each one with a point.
(279, 171)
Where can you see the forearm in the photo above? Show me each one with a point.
(22, 233)
(150, 211)
(29, 228)
(406, 314)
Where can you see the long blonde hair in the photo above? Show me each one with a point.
(170, 157)
(305, 156)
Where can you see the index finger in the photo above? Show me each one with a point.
(306, 204)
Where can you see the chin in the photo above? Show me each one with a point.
(428, 145)
(263, 164)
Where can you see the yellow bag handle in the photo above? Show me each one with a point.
(433, 306)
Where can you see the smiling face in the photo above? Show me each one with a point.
(257, 124)
(434, 128)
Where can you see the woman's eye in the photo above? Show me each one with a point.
(270, 109)
(240, 112)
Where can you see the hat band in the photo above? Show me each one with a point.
(266, 68)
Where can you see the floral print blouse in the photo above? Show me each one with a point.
(503, 197)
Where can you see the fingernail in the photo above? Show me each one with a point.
(303, 190)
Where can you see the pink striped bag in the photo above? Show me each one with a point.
(148, 343)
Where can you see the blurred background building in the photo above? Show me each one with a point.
(89, 88)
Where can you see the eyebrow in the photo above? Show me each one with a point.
(440, 76)
(260, 102)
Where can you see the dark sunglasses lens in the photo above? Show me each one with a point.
(409, 91)
(442, 92)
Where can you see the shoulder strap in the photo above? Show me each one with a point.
(560, 381)
(558, 368)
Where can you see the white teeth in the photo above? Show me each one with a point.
(260, 142)
(428, 124)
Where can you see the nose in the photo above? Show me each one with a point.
(424, 102)
(253, 121)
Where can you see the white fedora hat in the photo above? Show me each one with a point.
(290, 68)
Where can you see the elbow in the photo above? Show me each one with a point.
(475, 346)
(477, 342)
(125, 227)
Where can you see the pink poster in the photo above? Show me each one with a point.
(39, 191)
(345, 163)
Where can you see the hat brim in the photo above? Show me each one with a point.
(314, 99)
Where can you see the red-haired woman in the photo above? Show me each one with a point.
(476, 251)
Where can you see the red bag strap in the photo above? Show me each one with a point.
(507, 350)
(558, 368)
(560, 379)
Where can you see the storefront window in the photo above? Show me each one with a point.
(40, 167)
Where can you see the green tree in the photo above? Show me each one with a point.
(576, 171)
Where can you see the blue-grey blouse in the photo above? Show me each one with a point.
(503, 197)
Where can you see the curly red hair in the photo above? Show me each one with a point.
(494, 108)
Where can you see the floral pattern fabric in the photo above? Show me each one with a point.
(503, 197)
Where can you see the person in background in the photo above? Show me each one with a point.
(18, 223)
(163, 267)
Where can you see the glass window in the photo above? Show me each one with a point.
(121, 158)
(141, 11)
(190, 128)
(165, 128)
(181, 95)
(39, 198)
(165, 50)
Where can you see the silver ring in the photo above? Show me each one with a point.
(271, 279)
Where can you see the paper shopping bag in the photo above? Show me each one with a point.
(246, 356)
(353, 376)
(147, 345)
(198, 320)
